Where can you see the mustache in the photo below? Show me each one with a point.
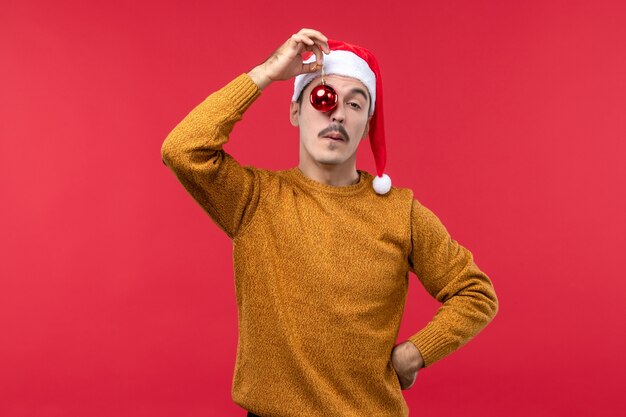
(335, 128)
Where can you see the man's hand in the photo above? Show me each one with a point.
(407, 360)
(286, 61)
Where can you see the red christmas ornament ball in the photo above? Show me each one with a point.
(323, 98)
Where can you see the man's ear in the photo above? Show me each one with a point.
(294, 108)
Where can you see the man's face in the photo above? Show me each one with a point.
(332, 137)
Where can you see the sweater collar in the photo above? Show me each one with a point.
(364, 180)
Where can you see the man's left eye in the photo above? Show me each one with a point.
(354, 105)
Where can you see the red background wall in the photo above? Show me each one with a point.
(506, 118)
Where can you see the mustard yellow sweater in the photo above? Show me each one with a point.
(321, 274)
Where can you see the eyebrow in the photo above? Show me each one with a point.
(360, 91)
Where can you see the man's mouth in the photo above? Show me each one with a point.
(334, 136)
(334, 132)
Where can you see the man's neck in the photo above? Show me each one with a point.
(336, 175)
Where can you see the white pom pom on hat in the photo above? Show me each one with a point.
(382, 185)
(357, 62)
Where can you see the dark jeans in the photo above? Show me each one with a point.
(251, 414)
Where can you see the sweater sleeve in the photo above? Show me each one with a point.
(449, 274)
(228, 192)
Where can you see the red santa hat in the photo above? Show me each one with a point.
(357, 62)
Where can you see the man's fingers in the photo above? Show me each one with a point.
(286, 61)
(323, 46)
(303, 38)
(302, 41)
(311, 67)
(310, 43)
(408, 383)
(310, 36)
(318, 53)
(312, 33)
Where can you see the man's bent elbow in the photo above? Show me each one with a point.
(168, 151)
(492, 304)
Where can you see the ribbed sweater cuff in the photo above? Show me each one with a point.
(241, 91)
(432, 344)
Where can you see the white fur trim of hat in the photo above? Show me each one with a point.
(340, 63)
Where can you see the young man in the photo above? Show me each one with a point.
(322, 252)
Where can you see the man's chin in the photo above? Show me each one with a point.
(328, 161)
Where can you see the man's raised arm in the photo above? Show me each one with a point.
(228, 192)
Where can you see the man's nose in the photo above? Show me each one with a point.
(338, 113)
